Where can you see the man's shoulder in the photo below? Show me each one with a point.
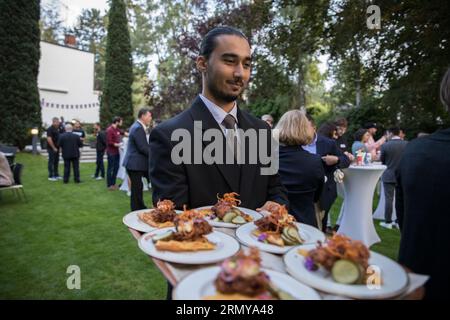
(254, 121)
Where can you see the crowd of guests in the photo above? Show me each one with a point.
(309, 159)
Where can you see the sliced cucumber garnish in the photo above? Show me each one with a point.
(346, 272)
(229, 216)
(238, 220)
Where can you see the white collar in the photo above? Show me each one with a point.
(143, 125)
(217, 112)
(396, 138)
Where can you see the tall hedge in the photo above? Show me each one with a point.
(20, 109)
(116, 96)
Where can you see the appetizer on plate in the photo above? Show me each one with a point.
(278, 228)
(190, 233)
(241, 278)
(346, 259)
(225, 210)
(160, 217)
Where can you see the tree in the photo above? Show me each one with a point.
(19, 61)
(90, 32)
(51, 23)
(116, 98)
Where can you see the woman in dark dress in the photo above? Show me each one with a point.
(301, 172)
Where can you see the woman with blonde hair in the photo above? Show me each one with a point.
(301, 172)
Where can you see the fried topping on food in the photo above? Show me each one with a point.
(278, 228)
(226, 209)
(340, 247)
(242, 274)
(190, 226)
(160, 217)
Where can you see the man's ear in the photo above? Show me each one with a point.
(202, 64)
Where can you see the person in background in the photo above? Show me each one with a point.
(70, 144)
(100, 147)
(372, 146)
(391, 154)
(113, 142)
(332, 158)
(78, 130)
(62, 125)
(301, 172)
(402, 134)
(361, 137)
(53, 133)
(137, 158)
(268, 118)
(341, 128)
(329, 130)
(422, 194)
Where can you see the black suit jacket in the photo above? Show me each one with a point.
(70, 144)
(303, 176)
(138, 149)
(423, 212)
(326, 146)
(197, 185)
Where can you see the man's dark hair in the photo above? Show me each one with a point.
(445, 90)
(327, 129)
(143, 111)
(310, 118)
(369, 125)
(395, 131)
(117, 119)
(341, 122)
(209, 41)
(359, 134)
(98, 124)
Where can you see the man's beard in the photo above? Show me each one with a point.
(218, 94)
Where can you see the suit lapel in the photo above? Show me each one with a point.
(200, 112)
(247, 172)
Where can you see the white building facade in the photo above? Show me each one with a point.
(66, 84)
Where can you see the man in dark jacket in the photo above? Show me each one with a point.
(137, 158)
(100, 147)
(70, 144)
(391, 154)
(332, 159)
(422, 206)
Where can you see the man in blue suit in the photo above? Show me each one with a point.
(137, 158)
(332, 159)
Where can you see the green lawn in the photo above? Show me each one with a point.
(63, 225)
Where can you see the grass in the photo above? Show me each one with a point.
(63, 225)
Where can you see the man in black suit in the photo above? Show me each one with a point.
(391, 154)
(422, 206)
(225, 64)
(332, 158)
(70, 144)
(137, 158)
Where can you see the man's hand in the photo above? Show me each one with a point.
(330, 160)
(55, 149)
(268, 207)
(349, 156)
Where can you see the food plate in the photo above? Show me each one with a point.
(394, 279)
(255, 215)
(200, 284)
(132, 221)
(226, 246)
(307, 233)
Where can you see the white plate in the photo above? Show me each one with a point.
(393, 277)
(307, 233)
(255, 215)
(200, 283)
(226, 246)
(132, 220)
